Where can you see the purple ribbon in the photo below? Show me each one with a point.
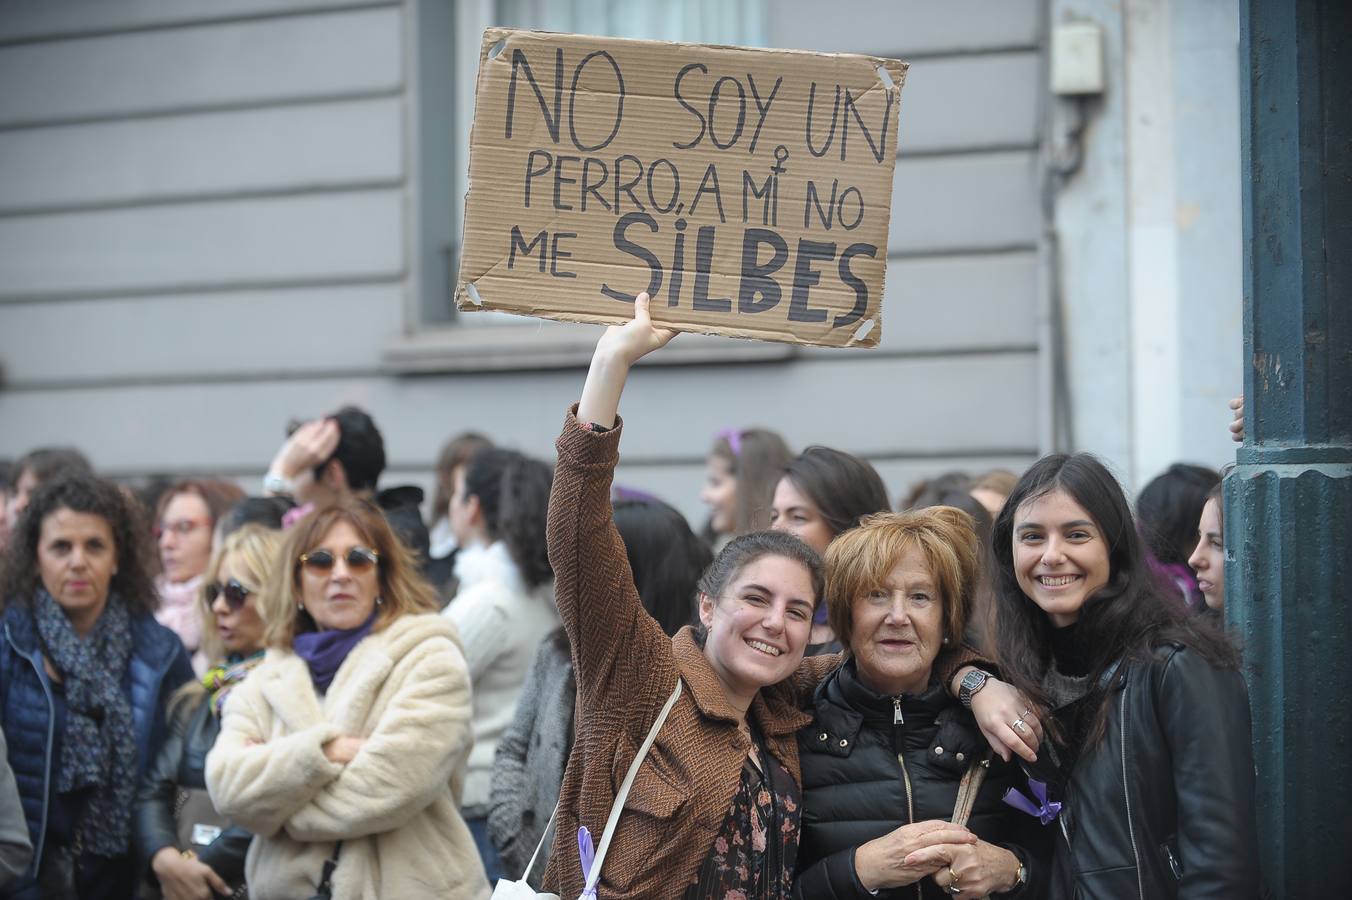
(734, 438)
(587, 854)
(1042, 809)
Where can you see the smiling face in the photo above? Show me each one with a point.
(898, 628)
(758, 629)
(793, 512)
(240, 630)
(185, 536)
(720, 494)
(1060, 555)
(77, 559)
(339, 598)
(1208, 557)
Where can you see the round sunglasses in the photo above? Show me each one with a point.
(358, 559)
(235, 593)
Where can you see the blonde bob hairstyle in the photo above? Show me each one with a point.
(859, 561)
(402, 590)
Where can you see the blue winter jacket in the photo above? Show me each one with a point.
(158, 666)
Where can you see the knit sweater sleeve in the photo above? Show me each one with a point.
(618, 649)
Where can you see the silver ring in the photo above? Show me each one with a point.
(953, 889)
(1019, 726)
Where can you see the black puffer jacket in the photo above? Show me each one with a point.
(180, 764)
(873, 763)
(1162, 806)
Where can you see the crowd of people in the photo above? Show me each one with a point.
(1010, 686)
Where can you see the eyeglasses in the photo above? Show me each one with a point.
(358, 559)
(235, 593)
(182, 528)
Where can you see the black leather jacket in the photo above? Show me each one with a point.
(1162, 806)
(865, 774)
(180, 763)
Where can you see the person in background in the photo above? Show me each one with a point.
(342, 455)
(6, 486)
(343, 751)
(86, 674)
(16, 850)
(1150, 754)
(504, 608)
(1208, 557)
(991, 488)
(35, 467)
(181, 842)
(185, 522)
(741, 471)
(440, 568)
(822, 493)
(666, 559)
(927, 491)
(1167, 512)
(267, 512)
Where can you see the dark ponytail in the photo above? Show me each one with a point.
(513, 492)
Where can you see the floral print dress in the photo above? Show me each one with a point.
(754, 854)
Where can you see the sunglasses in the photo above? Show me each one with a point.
(235, 593)
(358, 559)
(182, 528)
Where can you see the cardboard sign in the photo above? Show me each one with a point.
(748, 191)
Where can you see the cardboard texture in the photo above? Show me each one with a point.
(749, 191)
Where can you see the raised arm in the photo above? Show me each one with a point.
(613, 640)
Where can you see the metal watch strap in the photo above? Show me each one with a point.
(971, 685)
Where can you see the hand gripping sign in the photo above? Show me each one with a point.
(748, 191)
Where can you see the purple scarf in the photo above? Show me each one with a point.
(324, 651)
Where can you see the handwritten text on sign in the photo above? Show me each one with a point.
(748, 191)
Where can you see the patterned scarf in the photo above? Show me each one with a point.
(98, 748)
(220, 680)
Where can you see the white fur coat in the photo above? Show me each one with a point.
(406, 690)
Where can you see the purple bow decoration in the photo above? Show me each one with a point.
(1042, 809)
(734, 438)
(587, 854)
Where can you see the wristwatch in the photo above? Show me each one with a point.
(971, 683)
(279, 484)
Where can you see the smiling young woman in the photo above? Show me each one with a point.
(1150, 749)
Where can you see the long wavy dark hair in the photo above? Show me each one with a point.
(1124, 620)
(513, 492)
(82, 493)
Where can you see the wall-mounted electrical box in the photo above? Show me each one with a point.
(1077, 58)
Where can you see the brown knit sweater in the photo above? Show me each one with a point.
(626, 668)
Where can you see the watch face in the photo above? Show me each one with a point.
(973, 680)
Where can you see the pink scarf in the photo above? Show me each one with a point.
(178, 609)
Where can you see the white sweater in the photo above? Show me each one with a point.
(501, 623)
(405, 689)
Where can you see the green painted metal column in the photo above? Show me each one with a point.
(1288, 504)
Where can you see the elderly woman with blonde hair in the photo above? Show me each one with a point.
(344, 750)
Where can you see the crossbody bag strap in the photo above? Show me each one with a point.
(618, 806)
(530, 866)
(969, 787)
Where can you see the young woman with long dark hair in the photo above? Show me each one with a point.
(1149, 748)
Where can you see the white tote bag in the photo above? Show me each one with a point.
(521, 890)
